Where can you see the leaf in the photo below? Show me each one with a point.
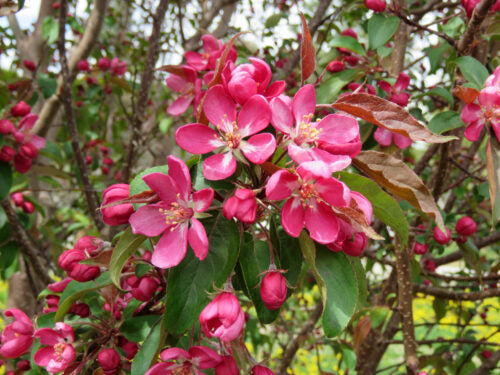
(341, 287)
(307, 52)
(436, 54)
(361, 331)
(49, 170)
(3, 217)
(76, 290)
(126, 246)
(189, 282)
(357, 219)
(466, 94)
(330, 89)
(138, 185)
(148, 353)
(439, 305)
(178, 70)
(384, 206)
(387, 115)
(48, 86)
(253, 260)
(308, 248)
(445, 121)
(472, 256)
(273, 20)
(50, 29)
(438, 91)
(396, 177)
(493, 168)
(137, 328)
(5, 179)
(473, 71)
(121, 82)
(381, 29)
(349, 43)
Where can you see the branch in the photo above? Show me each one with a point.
(406, 20)
(424, 160)
(487, 365)
(492, 277)
(27, 248)
(146, 81)
(440, 341)
(67, 99)
(82, 51)
(457, 296)
(306, 330)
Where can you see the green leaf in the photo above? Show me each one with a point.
(76, 290)
(148, 353)
(189, 282)
(445, 121)
(349, 43)
(126, 246)
(471, 255)
(137, 328)
(308, 249)
(50, 29)
(46, 320)
(384, 206)
(3, 217)
(165, 124)
(48, 86)
(255, 259)
(341, 287)
(273, 20)
(5, 179)
(473, 71)
(20, 4)
(138, 185)
(438, 91)
(493, 168)
(439, 305)
(9, 254)
(436, 54)
(381, 29)
(330, 89)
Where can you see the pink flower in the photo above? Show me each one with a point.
(118, 214)
(21, 109)
(385, 137)
(487, 110)
(104, 63)
(260, 370)
(356, 245)
(494, 79)
(145, 289)
(190, 88)
(242, 206)
(58, 353)
(375, 5)
(118, 68)
(198, 357)
(466, 226)
(223, 317)
(228, 141)
(247, 80)
(323, 140)
(17, 336)
(273, 290)
(440, 237)
(311, 194)
(109, 360)
(174, 216)
(227, 366)
(212, 50)
(24, 129)
(396, 92)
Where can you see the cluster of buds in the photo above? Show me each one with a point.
(101, 153)
(26, 206)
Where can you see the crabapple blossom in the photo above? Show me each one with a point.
(441, 237)
(17, 336)
(242, 206)
(197, 357)
(109, 360)
(189, 86)
(174, 217)
(396, 91)
(223, 317)
(58, 352)
(212, 50)
(118, 214)
(21, 109)
(486, 110)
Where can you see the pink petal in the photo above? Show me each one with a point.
(281, 185)
(259, 147)
(203, 199)
(364, 205)
(16, 347)
(241, 88)
(179, 172)
(262, 73)
(322, 223)
(163, 185)
(171, 248)
(27, 122)
(473, 131)
(206, 357)
(219, 107)
(383, 136)
(161, 369)
(197, 237)
(195, 60)
(386, 86)
(402, 82)
(234, 330)
(219, 166)
(197, 138)
(333, 191)
(275, 89)
(44, 355)
(471, 113)
(401, 141)
(489, 97)
(148, 220)
(292, 217)
(281, 116)
(254, 116)
(338, 129)
(304, 103)
(400, 99)
(314, 169)
(180, 105)
(19, 315)
(174, 353)
(36, 141)
(210, 43)
(48, 336)
(176, 83)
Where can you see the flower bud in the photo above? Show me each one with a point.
(420, 249)
(146, 289)
(28, 207)
(83, 272)
(375, 5)
(104, 63)
(30, 65)
(223, 317)
(81, 309)
(109, 360)
(441, 237)
(130, 348)
(6, 127)
(90, 245)
(18, 136)
(466, 226)
(59, 286)
(6, 154)
(242, 206)
(56, 6)
(22, 163)
(23, 365)
(21, 109)
(18, 199)
(108, 161)
(355, 246)
(260, 370)
(119, 214)
(335, 66)
(227, 366)
(118, 67)
(429, 265)
(29, 150)
(105, 170)
(88, 159)
(83, 66)
(273, 290)
(486, 353)
(69, 258)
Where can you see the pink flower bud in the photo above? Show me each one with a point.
(242, 206)
(18, 199)
(227, 366)
(52, 301)
(109, 360)
(69, 258)
(81, 309)
(59, 286)
(28, 207)
(460, 239)
(354, 247)
(21, 109)
(273, 290)
(375, 5)
(146, 289)
(56, 5)
(335, 66)
(419, 248)
(22, 163)
(486, 353)
(6, 127)
(223, 317)
(91, 81)
(104, 150)
(260, 370)
(18, 136)
(105, 170)
(466, 226)
(118, 67)
(351, 60)
(23, 365)
(88, 159)
(104, 63)
(30, 65)
(119, 214)
(29, 150)
(349, 32)
(441, 237)
(130, 348)
(108, 161)
(83, 272)
(90, 245)
(6, 154)
(83, 66)
(429, 265)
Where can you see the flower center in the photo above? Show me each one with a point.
(59, 349)
(308, 192)
(176, 214)
(229, 133)
(307, 131)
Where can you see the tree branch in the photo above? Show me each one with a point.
(458, 296)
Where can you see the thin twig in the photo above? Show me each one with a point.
(458, 296)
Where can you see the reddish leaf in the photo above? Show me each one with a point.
(493, 167)
(465, 94)
(357, 219)
(308, 54)
(387, 115)
(147, 196)
(270, 168)
(102, 259)
(361, 331)
(178, 70)
(396, 177)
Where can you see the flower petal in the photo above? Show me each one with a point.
(336, 129)
(180, 105)
(383, 136)
(219, 166)
(171, 248)
(219, 107)
(48, 336)
(148, 220)
(471, 113)
(401, 141)
(281, 185)
(304, 103)
(333, 191)
(292, 217)
(473, 131)
(163, 185)
(197, 138)
(44, 355)
(275, 89)
(203, 199)
(174, 353)
(402, 82)
(322, 223)
(281, 116)
(179, 172)
(259, 147)
(254, 116)
(197, 237)
(262, 73)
